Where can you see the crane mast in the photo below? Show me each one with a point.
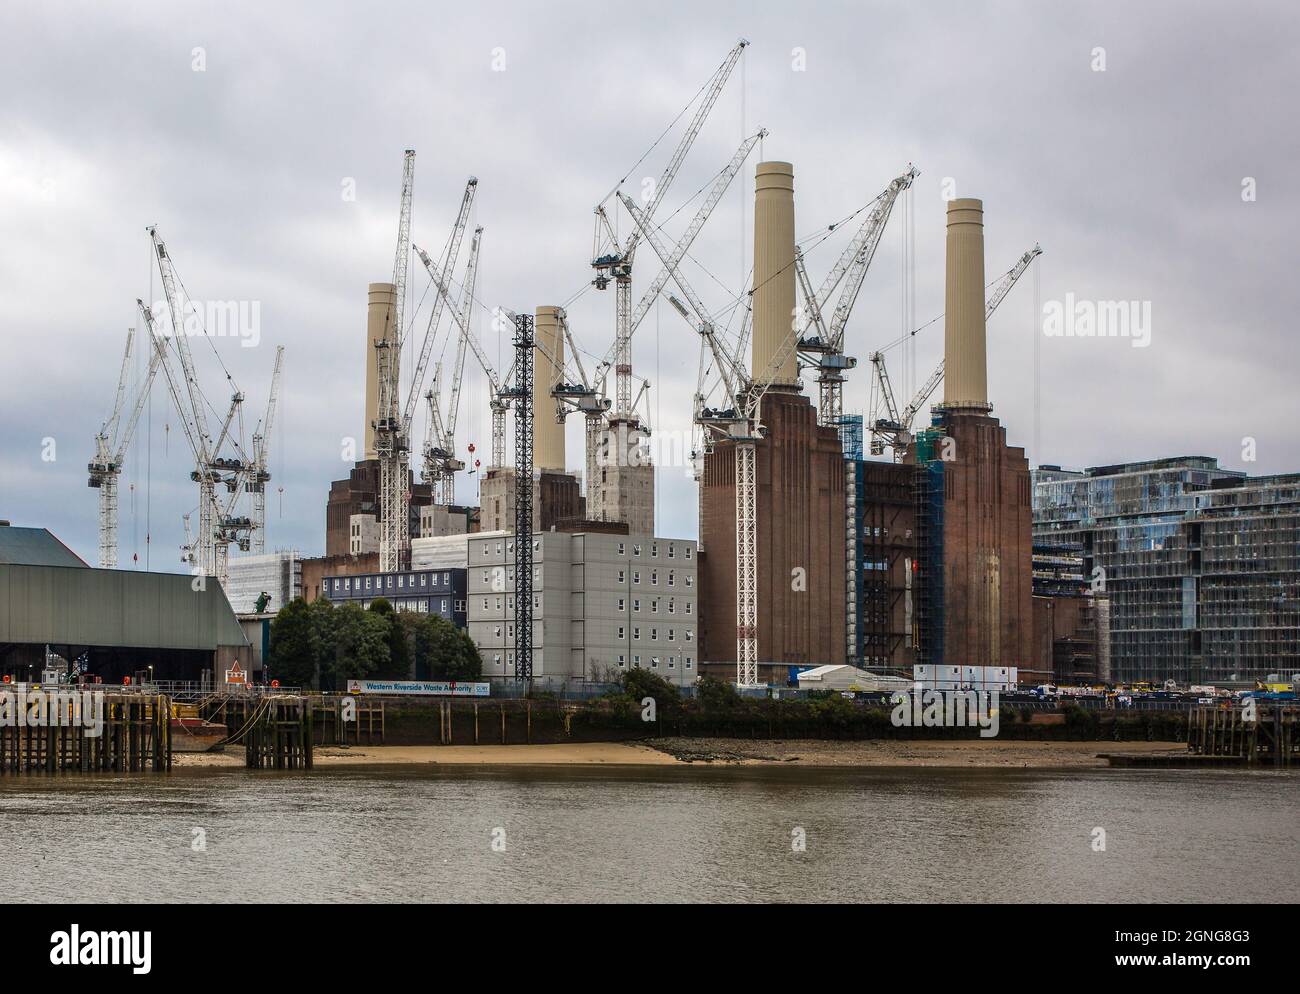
(261, 473)
(390, 442)
(616, 265)
(825, 349)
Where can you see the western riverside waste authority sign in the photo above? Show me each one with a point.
(428, 688)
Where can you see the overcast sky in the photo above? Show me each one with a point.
(244, 153)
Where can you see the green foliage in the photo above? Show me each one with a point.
(400, 626)
(639, 684)
(295, 645)
(444, 651)
(716, 695)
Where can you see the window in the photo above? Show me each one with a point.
(636, 603)
(485, 548)
(672, 662)
(347, 584)
(689, 578)
(498, 603)
(654, 634)
(671, 608)
(390, 583)
(496, 659)
(510, 631)
(622, 577)
(688, 661)
(498, 548)
(424, 579)
(636, 576)
(621, 549)
(688, 607)
(654, 576)
(636, 661)
(690, 635)
(654, 548)
(401, 582)
(487, 576)
(620, 633)
(621, 660)
(636, 633)
(671, 578)
(672, 634)
(443, 607)
(496, 631)
(621, 602)
(672, 550)
(636, 550)
(446, 578)
(654, 605)
(654, 662)
(485, 603)
(688, 552)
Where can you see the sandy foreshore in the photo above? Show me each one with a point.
(719, 752)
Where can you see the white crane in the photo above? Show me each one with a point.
(393, 425)
(895, 430)
(614, 263)
(738, 423)
(111, 446)
(440, 461)
(825, 348)
(218, 527)
(260, 475)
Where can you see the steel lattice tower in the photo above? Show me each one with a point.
(523, 396)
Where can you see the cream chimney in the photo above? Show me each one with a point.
(379, 325)
(548, 434)
(965, 375)
(774, 276)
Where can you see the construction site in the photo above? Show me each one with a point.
(894, 537)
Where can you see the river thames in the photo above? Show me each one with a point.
(681, 834)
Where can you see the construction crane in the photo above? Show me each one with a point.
(260, 475)
(895, 430)
(499, 387)
(615, 264)
(825, 348)
(110, 449)
(738, 423)
(390, 442)
(219, 527)
(440, 462)
(393, 424)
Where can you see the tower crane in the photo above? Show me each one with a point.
(498, 386)
(218, 527)
(110, 450)
(260, 475)
(393, 425)
(440, 462)
(825, 348)
(616, 264)
(738, 423)
(896, 429)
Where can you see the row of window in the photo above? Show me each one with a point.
(654, 605)
(654, 549)
(404, 581)
(654, 662)
(654, 577)
(419, 605)
(654, 634)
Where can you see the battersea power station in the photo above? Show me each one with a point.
(926, 559)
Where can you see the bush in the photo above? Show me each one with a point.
(639, 684)
(716, 695)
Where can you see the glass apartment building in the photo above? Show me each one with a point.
(1201, 564)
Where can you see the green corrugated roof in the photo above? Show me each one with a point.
(34, 547)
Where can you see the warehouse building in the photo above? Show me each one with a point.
(440, 592)
(1201, 564)
(110, 624)
(603, 603)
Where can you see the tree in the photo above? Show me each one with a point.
(716, 695)
(445, 652)
(357, 648)
(398, 666)
(295, 646)
(639, 684)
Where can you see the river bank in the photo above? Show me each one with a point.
(719, 752)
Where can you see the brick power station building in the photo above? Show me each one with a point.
(939, 545)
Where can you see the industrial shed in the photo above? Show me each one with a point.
(116, 622)
(845, 677)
